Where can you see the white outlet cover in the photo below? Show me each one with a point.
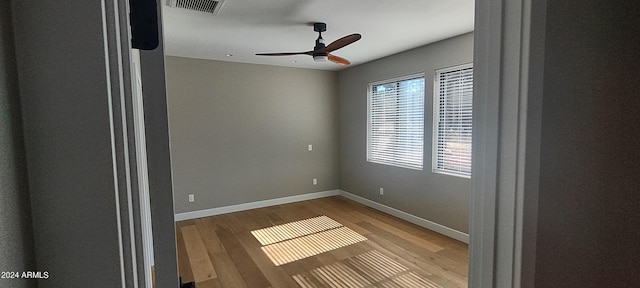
(310, 147)
(315, 181)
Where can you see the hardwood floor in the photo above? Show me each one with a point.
(353, 246)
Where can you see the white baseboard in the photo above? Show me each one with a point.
(455, 234)
(444, 230)
(252, 205)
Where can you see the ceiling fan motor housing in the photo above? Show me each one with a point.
(318, 52)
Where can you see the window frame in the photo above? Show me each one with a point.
(419, 75)
(436, 120)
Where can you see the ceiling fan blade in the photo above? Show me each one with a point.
(344, 41)
(338, 60)
(285, 54)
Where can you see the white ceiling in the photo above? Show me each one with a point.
(243, 28)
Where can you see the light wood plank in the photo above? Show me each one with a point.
(451, 279)
(211, 283)
(200, 263)
(400, 233)
(277, 276)
(250, 272)
(184, 266)
(228, 274)
(443, 262)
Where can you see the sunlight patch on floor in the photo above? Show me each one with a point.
(295, 229)
(305, 238)
(365, 270)
(310, 245)
(409, 280)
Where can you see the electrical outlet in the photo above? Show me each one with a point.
(310, 147)
(315, 181)
(381, 191)
(191, 198)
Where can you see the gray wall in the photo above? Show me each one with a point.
(16, 236)
(156, 122)
(588, 214)
(438, 198)
(239, 132)
(63, 91)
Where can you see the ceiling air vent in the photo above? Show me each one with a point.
(207, 6)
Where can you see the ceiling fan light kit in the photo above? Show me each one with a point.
(320, 58)
(322, 52)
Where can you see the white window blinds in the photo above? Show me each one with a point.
(396, 122)
(452, 120)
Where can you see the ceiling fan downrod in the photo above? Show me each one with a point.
(318, 55)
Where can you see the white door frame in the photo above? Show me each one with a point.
(144, 182)
(143, 178)
(508, 66)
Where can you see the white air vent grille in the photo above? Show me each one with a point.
(207, 6)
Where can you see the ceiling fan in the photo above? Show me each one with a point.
(322, 52)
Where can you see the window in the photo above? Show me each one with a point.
(396, 122)
(452, 120)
